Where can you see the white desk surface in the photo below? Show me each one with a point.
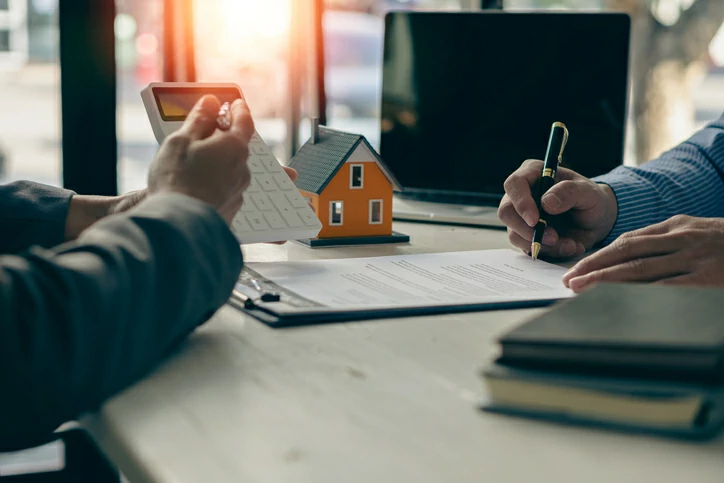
(378, 401)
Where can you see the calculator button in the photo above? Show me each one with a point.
(262, 201)
(308, 218)
(266, 182)
(240, 224)
(247, 206)
(296, 199)
(259, 149)
(257, 222)
(291, 218)
(253, 186)
(255, 165)
(283, 181)
(275, 221)
(271, 164)
(280, 201)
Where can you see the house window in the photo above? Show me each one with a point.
(356, 176)
(375, 212)
(335, 213)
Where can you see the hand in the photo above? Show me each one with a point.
(205, 163)
(583, 212)
(84, 210)
(119, 204)
(682, 250)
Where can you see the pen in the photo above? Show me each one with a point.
(554, 155)
(223, 119)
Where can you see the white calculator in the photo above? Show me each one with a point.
(273, 208)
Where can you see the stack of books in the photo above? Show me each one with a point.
(636, 357)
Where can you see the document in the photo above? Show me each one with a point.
(425, 280)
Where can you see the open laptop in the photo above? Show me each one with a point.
(467, 97)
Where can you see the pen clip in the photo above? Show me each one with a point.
(565, 139)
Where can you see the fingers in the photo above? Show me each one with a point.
(201, 121)
(563, 248)
(518, 190)
(291, 172)
(636, 270)
(684, 279)
(241, 122)
(642, 258)
(581, 194)
(626, 249)
(510, 217)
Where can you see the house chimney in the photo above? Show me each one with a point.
(315, 131)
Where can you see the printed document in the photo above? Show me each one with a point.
(435, 279)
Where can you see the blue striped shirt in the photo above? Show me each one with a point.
(688, 179)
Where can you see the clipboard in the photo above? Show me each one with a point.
(288, 308)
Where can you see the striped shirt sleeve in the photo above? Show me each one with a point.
(689, 180)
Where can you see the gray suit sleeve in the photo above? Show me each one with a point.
(82, 321)
(32, 214)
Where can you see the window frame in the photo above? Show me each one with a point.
(369, 218)
(341, 213)
(351, 176)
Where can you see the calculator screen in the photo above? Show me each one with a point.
(174, 103)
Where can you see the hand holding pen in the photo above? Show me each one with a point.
(554, 155)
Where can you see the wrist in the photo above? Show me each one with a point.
(610, 211)
(84, 210)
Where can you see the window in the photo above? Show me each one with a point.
(375, 212)
(353, 37)
(356, 173)
(139, 46)
(248, 42)
(29, 53)
(335, 213)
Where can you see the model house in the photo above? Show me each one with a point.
(348, 184)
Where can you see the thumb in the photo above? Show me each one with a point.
(569, 195)
(201, 121)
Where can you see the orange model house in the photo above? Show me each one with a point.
(349, 186)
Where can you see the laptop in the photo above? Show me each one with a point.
(467, 97)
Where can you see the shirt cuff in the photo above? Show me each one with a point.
(636, 205)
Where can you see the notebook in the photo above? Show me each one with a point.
(640, 405)
(631, 356)
(646, 330)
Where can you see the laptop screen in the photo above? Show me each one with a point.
(467, 97)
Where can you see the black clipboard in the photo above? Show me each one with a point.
(294, 310)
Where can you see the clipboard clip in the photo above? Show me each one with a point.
(251, 302)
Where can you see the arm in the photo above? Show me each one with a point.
(38, 214)
(688, 180)
(32, 214)
(81, 322)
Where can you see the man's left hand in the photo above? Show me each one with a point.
(125, 202)
(86, 210)
(682, 250)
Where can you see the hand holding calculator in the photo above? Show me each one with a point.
(273, 208)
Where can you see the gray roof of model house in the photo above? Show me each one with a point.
(318, 162)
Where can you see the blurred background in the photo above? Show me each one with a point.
(677, 71)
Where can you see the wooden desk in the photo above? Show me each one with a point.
(377, 401)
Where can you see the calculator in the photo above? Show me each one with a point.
(273, 208)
